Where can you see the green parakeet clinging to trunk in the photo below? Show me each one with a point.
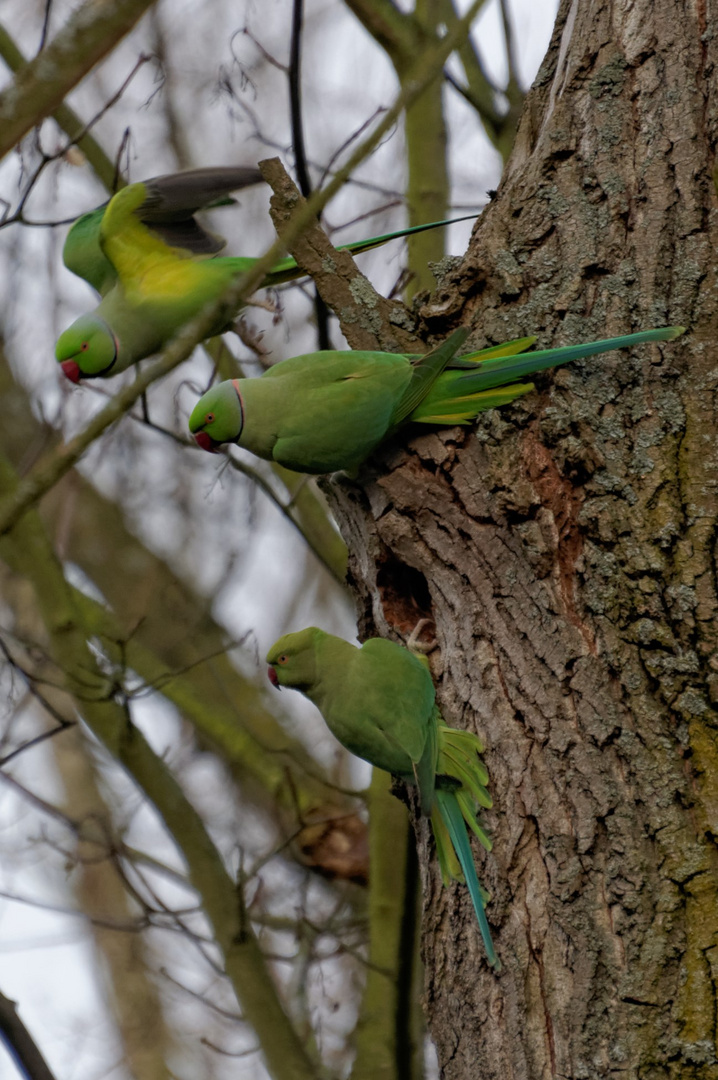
(379, 702)
(329, 410)
(152, 263)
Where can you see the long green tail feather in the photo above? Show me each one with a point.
(509, 348)
(357, 246)
(457, 396)
(506, 369)
(467, 810)
(461, 783)
(287, 269)
(452, 817)
(448, 863)
(459, 758)
(464, 409)
(473, 777)
(470, 360)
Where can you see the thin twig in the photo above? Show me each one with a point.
(18, 1040)
(39, 87)
(321, 311)
(62, 723)
(40, 804)
(47, 159)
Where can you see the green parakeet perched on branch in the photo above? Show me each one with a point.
(150, 260)
(379, 702)
(329, 410)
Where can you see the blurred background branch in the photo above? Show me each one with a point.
(39, 87)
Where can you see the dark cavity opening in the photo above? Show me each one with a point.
(404, 594)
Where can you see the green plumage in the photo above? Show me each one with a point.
(379, 702)
(329, 410)
(148, 258)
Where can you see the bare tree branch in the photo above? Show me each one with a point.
(388, 1031)
(40, 86)
(393, 29)
(368, 321)
(28, 551)
(404, 36)
(66, 118)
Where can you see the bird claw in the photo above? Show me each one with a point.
(414, 645)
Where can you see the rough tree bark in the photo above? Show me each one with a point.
(565, 549)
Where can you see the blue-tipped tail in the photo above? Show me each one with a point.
(505, 369)
(471, 384)
(453, 819)
(287, 269)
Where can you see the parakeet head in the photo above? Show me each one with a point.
(87, 349)
(218, 416)
(292, 659)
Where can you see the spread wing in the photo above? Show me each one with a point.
(171, 202)
(152, 217)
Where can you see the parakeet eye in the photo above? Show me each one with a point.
(209, 418)
(85, 346)
(282, 659)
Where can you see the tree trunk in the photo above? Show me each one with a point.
(565, 548)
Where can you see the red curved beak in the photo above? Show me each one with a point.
(206, 442)
(272, 676)
(72, 370)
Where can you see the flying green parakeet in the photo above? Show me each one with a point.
(379, 702)
(329, 410)
(150, 260)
